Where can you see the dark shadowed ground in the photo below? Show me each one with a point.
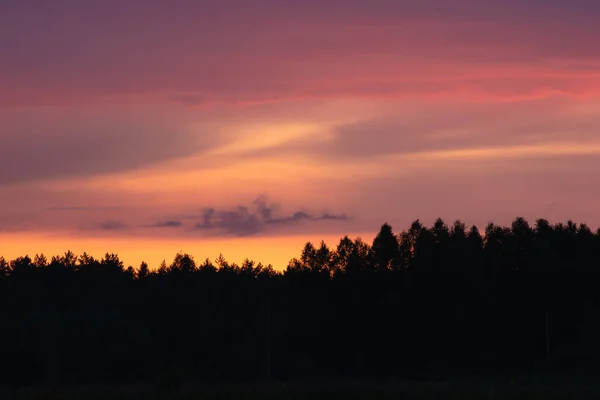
(375, 391)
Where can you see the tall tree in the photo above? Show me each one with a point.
(385, 249)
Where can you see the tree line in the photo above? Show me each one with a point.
(424, 303)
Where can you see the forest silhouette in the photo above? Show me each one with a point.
(425, 303)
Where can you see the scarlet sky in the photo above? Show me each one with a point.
(247, 127)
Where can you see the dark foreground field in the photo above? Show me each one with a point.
(397, 390)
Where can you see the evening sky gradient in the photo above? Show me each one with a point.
(250, 126)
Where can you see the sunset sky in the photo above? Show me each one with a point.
(247, 127)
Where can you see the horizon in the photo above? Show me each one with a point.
(145, 129)
(236, 250)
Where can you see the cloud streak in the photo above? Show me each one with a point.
(113, 225)
(168, 224)
(41, 144)
(421, 131)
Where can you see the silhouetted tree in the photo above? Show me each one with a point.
(143, 271)
(162, 268)
(385, 249)
(183, 263)
(40, 261)
(5, 269)
(342, 255)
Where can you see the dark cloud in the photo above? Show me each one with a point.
(245, 221)
(81, 208)
(168, 224)
(332, 217)
(113, 226)
(297, 216)
(240, 222)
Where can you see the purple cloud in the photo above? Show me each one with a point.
(168, 224)
(113, 225)
(244, 221)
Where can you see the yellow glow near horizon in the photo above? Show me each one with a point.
(268, 250)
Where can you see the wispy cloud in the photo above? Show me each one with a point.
(333, 217)
(168, 224)
(113, 225)
(81, 143)
(81, 208)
